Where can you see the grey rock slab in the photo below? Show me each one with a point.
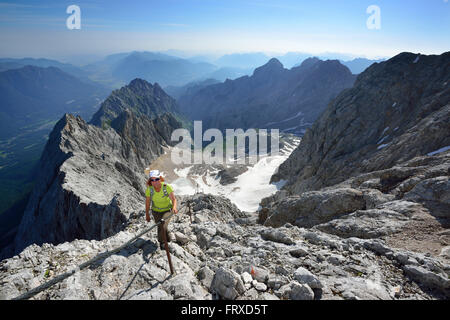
(311, 208)
(300, 291)
(246, 277)
(206, 276)
(259, 273)
(425, 276)
(227, 284)
(304, 276)
(365, 224)
(260, 286)
(276, 236)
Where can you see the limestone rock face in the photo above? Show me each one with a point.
(314, 207)
(89, 178)
(409, 196)
(375, 167)
(434, 193)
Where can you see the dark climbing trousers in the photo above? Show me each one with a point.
(162, 228)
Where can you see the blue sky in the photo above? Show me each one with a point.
(38, 28)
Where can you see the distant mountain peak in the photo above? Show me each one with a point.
(334, 64)
(309, 62)
(274, 61)
(139, 83)
(141, 97)
(31, 94)
(164, 69)
(273, 65)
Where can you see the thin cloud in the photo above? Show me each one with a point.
(9, 5)
(30, 18)
(89, 25)
(15, 5)
(273, 5)
(175, 25)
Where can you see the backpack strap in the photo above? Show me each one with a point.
(165, 190)
(152, 191)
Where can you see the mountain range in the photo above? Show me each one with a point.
(89, 82)
(272, 97)
(363, 213)
(292, 59)
(52, 88)
(118, 69)
(33, 94)
(174, 68)
(12, 63)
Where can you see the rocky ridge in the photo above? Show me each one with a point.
(90, 179)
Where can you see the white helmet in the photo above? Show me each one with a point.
(154, 174)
